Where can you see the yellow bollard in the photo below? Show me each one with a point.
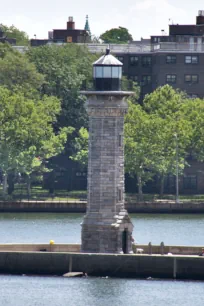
(51, 243)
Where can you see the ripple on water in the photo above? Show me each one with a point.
(57, 291)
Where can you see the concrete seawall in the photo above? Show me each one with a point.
(80, 207)
(76, 248)
(133, 266)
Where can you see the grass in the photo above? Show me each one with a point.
(38, 193)
(133, 197)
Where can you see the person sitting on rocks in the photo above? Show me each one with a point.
(202, 253)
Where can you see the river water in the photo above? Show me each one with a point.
(178, 229)
(91, 291)
(59, 291)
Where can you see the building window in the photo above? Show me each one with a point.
(134, 60)
(191, 59)
(186, 39)
(171, 59)
(120, 58)
(191, 78)
(146, 61)
(146, 79)
(190, 182)
(134, 78)
(171, 78)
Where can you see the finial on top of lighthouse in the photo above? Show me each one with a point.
(107, 73)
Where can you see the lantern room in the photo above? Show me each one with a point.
(107, 73)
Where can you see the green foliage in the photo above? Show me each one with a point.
(193, 111)
(154, 131)
(21, 37)
(116, 36)
(167, 104)
(65, 68)
(5, 48)
(27, 138)
(81, 147)
(17, 72)
(141, 143)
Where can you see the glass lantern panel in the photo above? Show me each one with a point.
(115, 72)
(120, 72)
(98, 72)
(107, 72)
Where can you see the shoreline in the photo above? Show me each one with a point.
(58, 259)
(166, 207)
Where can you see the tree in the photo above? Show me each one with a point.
(27, 138)
(141, 144)
(5, 48)
(81, 147)
(165, 102)
(21, 37)
(167, 105)
(17, 72)
(66, 68)
(193, 111)
(118, 35)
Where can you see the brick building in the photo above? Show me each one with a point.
(68, 35)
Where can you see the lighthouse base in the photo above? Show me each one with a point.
(102, 234)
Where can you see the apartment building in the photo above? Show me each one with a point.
(176, 59)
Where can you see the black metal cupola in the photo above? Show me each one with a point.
(107, 73)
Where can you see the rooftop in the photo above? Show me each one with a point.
(146, 48)
(132, 48)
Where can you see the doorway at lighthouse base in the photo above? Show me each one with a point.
(105, 234)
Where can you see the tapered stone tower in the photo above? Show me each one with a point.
(106, 227)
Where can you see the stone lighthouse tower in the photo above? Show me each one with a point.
(106, 227)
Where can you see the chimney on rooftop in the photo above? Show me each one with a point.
(200, 18)
(70, 24)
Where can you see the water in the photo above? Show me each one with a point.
(57, 291)
(179, 229)
(65, 228)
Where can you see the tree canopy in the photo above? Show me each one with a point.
(159, 135)
(21, 37)
(81, 148)
(153, 132)
(27, 137)
(118, 35)
(16, 71)
(65, 68)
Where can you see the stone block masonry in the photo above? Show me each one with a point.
(106, 228)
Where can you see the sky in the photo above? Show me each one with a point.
(141, 17)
